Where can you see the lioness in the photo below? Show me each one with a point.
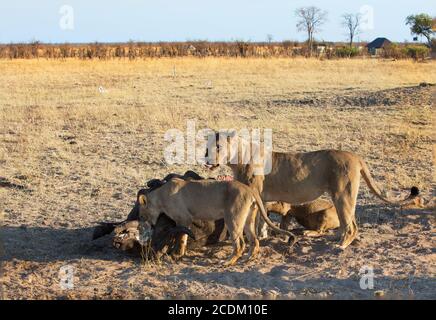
(184, 201)
(317, 217)
(105, 228)
(298, 178)
(166, 236)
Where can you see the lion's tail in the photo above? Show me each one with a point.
(364, 171)
(292, 238)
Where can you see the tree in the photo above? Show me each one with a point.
(352, 23)
(421, 25)
(310, 21)
(269, 38)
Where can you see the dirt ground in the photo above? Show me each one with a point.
(79, 138)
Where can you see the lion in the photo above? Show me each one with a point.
(298, 178)
(105, 228)
(166, 236)
(317, 217)
(185, 201)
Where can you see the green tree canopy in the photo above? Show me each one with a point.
(421, 25)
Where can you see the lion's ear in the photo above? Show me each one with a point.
(142, 199)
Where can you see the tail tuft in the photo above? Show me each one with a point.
(414, 191)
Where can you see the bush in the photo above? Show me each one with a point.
(417, 52)
(346, 52)
(394, 51)
(135, 50)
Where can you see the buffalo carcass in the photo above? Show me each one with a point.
(165, 236)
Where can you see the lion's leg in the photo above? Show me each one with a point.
(250, 232)
(235, 228)
(180, 245)
(286, 221)
(183, 244)
(184, 219)
(313, 233)
(345, 203)
(237, 251)
(242, 244)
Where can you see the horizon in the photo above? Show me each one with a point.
(81, 22)
(194, 41)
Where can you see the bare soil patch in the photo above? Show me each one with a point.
(72, 156)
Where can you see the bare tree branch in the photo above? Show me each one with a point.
(310, 21)
(352, 23)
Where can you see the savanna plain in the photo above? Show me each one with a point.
(78, 138)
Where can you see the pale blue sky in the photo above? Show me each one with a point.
(179, 20)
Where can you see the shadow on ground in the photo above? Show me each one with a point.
(321, 286)
(45, 244)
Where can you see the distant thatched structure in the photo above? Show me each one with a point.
(377, 46)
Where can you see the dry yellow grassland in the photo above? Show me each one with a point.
(72, 155)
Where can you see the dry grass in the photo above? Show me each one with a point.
(81, 154)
